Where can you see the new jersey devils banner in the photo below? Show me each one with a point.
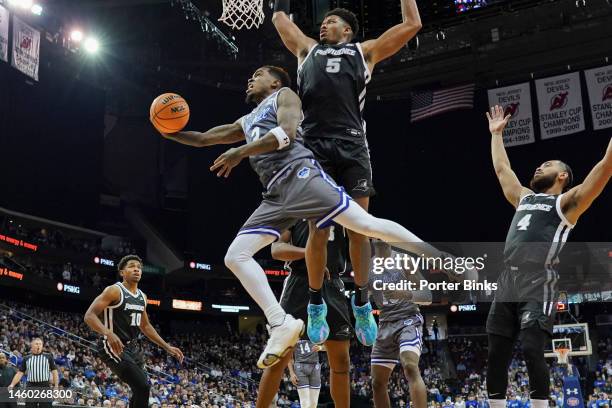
(516, 101)
(599, 83)
(26, 47)
(560, 105)
(4, 31)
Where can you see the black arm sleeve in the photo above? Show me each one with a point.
(51, 362)
(281, 5)
(22, 366)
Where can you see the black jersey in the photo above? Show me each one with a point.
(538, 231)
(336, 249)
(124, 317)
(332, 83)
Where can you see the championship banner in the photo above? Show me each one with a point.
(560, 105)
(516, 101)
(26, 48)
(599, 83)
(4, 32)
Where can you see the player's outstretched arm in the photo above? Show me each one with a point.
(510, 184)
(392, 40)
(148, 330)
(578, 199)
(291, 35)
(283, 250)
(224, 134)
(288, 116)
(110, 296)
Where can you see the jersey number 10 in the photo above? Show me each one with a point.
(136, 317)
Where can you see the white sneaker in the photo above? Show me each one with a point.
(281, 341)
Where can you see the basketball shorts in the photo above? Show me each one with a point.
(396, 337)
(346, 161)
(300, 190)
(126, 366)
(308, 374)
(295, 298)
(525, 298)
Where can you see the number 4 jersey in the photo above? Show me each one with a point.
(124, 318)
(332, 83)
(538, 231)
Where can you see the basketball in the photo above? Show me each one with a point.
(169, 113)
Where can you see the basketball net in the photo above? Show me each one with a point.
(562, 355)
(240, 14)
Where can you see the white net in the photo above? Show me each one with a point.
(562, 355)
(240, 14)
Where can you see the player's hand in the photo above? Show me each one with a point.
(115, 343)
(294, 379)
(176, 353)
(497, 121)
(226, 162)
(327, 275)
(317, 348)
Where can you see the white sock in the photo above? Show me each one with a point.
(304, 394)
(538, 403)
(239, 259)
(498, 403)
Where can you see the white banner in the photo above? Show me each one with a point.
(4, 32)
(599, 83)
(26, 47)
(560, 105)
(516, 101)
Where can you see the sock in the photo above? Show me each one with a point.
(499, 403)
(315, 296)
(537, 403)
(275, 315)
(361, 295)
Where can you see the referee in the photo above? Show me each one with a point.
(38, 367)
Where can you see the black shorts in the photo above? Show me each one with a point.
(295, 298)
(128, 365)
(347, 162)
(525, 298)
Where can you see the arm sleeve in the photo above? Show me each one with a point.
(22, 366)
(51, 362)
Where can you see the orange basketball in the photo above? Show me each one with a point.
(169, 113)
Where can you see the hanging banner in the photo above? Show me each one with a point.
(560, 105)
(26, 48)
(4, 32)
(599, 83)
(516, 101)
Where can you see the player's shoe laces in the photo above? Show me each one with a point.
(282, 339)
(317, 328)
(366, 329)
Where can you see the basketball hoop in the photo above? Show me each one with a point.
(240, 14)
(562, 355)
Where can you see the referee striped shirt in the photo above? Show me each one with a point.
(38, 367)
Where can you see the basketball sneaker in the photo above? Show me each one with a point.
(366, 329)
(282, 339)
(317, 328)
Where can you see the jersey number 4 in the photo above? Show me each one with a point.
(333, 65)
(136, 319)
(524, 222)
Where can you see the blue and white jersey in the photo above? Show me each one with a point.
(257, 124)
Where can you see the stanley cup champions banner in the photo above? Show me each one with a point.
(4, 31)
(560, 105)
(26, 47)
(599, 83)
(516, 101)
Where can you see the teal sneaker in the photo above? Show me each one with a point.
(366, 329)
(317, 328)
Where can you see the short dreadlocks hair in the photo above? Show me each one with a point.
(348, 16)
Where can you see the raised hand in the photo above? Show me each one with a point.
(497, 121)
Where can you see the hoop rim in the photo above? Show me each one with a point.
(562, 354)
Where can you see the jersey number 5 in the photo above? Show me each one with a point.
(333, 65)
(136, 319)
(524, 222)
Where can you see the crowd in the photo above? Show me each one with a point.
(220, 370)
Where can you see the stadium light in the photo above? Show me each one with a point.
(92, 45)
(25, 4)
(36, 9)
(76, 35)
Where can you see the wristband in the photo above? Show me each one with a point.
(281, 5)
(281, 136)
